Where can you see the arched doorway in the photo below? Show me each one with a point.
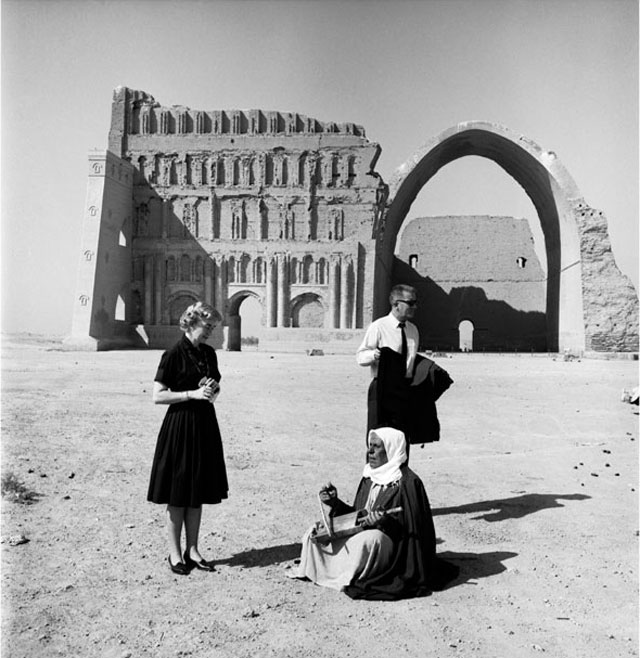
(178, 304)
(551, 190)
(307, 311)
(245, 307)
(465, 330)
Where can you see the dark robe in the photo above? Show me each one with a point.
(394, 402)
(414, 569)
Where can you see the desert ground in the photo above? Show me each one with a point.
(533, 486)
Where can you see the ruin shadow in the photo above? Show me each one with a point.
(498, 327)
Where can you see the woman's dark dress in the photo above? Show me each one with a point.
(188, 466)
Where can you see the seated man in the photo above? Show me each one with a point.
(394, 555)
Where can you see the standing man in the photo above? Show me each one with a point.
(404, 385)
(397, 333)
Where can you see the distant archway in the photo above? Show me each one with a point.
(465, 329)
(234, 336)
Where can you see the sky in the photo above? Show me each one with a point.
(563, 73)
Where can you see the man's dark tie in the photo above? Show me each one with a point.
(405, 349)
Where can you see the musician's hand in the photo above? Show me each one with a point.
(372, 519)
(328, 495)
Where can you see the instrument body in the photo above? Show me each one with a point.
(344, 525)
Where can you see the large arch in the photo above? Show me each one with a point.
(577, 244)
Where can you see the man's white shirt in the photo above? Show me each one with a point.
(386, 332)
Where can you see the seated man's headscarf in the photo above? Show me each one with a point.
(395, 447)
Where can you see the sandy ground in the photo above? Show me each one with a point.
(534, 489)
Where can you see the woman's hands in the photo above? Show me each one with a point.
(206, 392)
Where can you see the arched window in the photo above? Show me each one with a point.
(321, 269)
(185, 268)
(171, 269)
(258, 267)
(307, 265)
(197, 270)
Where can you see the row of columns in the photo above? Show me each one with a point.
(277, 297)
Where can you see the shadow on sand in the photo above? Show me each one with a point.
(263, 557)
(474, 566)
(510, 508)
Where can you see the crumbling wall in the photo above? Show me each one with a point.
(609, 298)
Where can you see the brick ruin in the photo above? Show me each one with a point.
(288, 210)
(464, 275)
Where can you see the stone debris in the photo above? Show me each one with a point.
(16, 540)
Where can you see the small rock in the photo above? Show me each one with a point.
(16, 540)
(71, 476)
(595, 475)
(537, 647)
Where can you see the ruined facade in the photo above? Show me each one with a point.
(226, 205)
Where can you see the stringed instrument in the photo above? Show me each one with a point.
(345, 525)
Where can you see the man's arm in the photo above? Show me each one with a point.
(369, 351)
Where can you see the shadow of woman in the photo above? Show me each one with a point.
(263, 557)
(510, 508)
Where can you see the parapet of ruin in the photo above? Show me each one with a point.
(147, 117)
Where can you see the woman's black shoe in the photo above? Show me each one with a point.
(181, 569)
(202, 565)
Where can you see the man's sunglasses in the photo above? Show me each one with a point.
(408, 302)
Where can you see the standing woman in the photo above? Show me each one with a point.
(188, 466)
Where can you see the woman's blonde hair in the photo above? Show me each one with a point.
(198, 312)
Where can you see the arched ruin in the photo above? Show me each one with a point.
(590, 304)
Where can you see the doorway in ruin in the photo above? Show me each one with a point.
(465, 331)
(178, 304)
(307, 311)
(552, 193)
(244, 321)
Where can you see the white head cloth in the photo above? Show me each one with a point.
(395, 447)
